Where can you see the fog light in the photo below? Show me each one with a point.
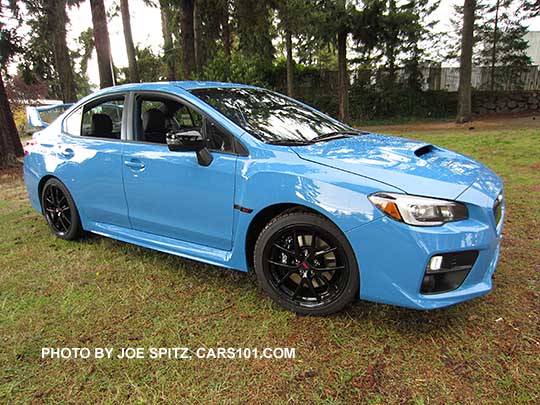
(435, 263)
(446, 272)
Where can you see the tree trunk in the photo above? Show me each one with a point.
(226, 30)
(128, 37)
(290, 64)
(494, 50)
(10, 143)
(56, 25)
(167, 41)
(103, 45)
(343, 79)
(197, 31)
(188, 46)
(465, 68)
(391, 45)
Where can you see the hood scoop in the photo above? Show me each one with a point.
(424, 150)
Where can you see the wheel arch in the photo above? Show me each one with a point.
(264, 216)
(42, 182)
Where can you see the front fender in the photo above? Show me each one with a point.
(283, 178)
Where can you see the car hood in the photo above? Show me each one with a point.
(414, 167)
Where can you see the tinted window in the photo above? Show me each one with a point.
(72, 124)
(103, 119)
(217, 139)
(268, 115)
(158, 116)
(50, 114)
(184, 118)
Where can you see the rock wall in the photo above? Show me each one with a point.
(491, 103)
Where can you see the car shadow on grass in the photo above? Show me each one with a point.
(413, 322)
(404, 321)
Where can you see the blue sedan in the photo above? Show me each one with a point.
(245, 178)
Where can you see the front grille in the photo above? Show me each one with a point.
(497, 209)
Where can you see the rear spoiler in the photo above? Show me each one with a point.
(42, 117)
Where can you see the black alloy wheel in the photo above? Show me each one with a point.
(305, 263)
(60, 211)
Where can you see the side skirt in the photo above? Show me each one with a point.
(188, 250)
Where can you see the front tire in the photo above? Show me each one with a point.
(60, 211)
(305, 263)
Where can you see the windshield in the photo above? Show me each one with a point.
(269, 116)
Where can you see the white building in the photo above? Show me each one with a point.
(534, 46)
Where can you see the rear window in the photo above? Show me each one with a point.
(49, 115)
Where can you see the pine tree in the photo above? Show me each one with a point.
(102, 43)
(393, 35)
(188, 38)
(47, 55)
(169, 22)
(128, 37)
(336, 24)
(254, 31)
(10, 143)
(532, 7)
(465, 67)
(417, 33)
(293, 16)
(502, 45)
(499, 42)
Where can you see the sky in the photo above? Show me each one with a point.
(146, 27)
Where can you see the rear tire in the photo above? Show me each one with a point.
(306, 264)
(60, 211)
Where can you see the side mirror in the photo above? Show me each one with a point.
(185, 141)
(190, 141)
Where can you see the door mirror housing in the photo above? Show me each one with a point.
(190, 141)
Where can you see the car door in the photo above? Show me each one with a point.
(91, 155)
(169, 193)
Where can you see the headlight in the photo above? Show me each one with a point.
(419, 211)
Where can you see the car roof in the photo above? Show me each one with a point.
(191, 85)
(185, 85)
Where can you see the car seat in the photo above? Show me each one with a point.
(154, 128)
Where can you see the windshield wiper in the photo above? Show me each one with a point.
(324, 137)
(336, 135)
(288, 142)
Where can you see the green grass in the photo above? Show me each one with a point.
(102, 293)
(399, 120)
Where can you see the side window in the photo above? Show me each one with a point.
(72, 124)
(156, 116)
(53, 113)
(187, 118)
(217, 139)
(147, 105)
(103, 119)
(152, 120)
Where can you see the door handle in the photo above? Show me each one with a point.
(67, 153)
(134, 164)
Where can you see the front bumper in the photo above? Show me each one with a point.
(393, 256)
